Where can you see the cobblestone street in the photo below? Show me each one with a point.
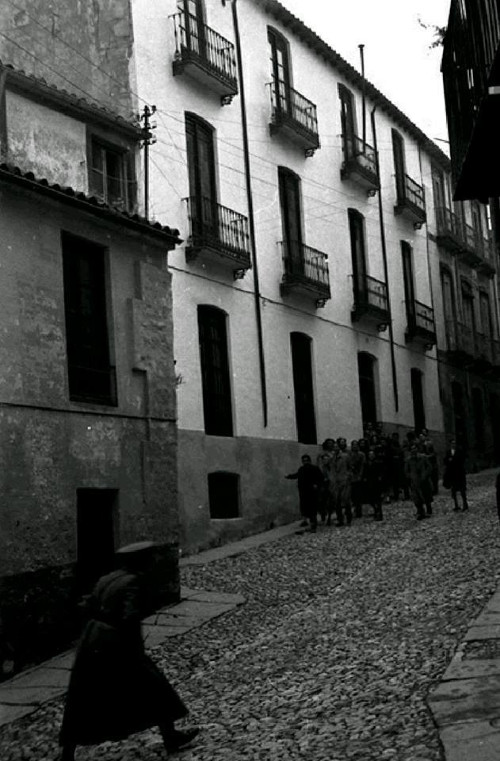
(341, 637)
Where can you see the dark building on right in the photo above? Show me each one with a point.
(470, 377)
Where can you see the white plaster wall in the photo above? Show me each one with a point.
(46, 142)
(325, 200)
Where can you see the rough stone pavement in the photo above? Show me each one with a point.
(344, 637)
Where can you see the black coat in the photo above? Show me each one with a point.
(454, 470)
(115, 689)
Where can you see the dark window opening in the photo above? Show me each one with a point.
(367, 393)
(96, 511)
(358, 253)
(468, 305)
(409, 284)
(215, 376)
(478, 411)
(291, 214)
(486, 321)
(201, 172)
(111, 175)
(305, 415)
(224, 495)
(348, 122)
(417, 393)
(91, 377)
(398, 148)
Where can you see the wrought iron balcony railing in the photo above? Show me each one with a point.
(202, 51)
(460, 338)
(217, 229)
(360, 161)
(371, 301)
(410, 199)
(294, 115)
(424, 317)
(305, 269)
(449, 228)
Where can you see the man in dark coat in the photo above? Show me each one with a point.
(309, 480)
(115, 689)
(418, 473)
(454, 476)
(373, 479)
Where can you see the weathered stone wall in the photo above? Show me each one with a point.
(51, 446)
(82, 47)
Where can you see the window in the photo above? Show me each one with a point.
(468, 305)
(224, 495)
(303, 388)
(348, 122)
(201, 170)
(111, 175)
(484, 307)
(95, 523)
(476, 220)
(448, 292)
(418, 399)
(291, 214)
(280, 69)
(215, 376)
(409, 285)
(358, 253)
(367, 394)
(438, 185)
(398, 149)
(194, 25)
(90, 375)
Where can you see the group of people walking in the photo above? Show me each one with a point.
(375, 470)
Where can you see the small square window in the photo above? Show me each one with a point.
(224, 495)
(109, 178)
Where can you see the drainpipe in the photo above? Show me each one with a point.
(386, 270)
(246, 154)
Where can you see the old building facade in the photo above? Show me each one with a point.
(87, 389)
(311, 290)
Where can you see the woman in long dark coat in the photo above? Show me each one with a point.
(115, 689)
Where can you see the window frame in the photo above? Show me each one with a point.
(303, 387)
(125, 152)
(213, 338)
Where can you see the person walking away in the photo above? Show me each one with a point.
(417, 471)
(430, 452)
(325, 499)
(115, 689)
(454, 476)
(397, 467)
(309, 481)
(373, 484)
(357, 462)
(341, 483)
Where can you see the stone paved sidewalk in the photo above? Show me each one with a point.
(466, 703)
(25, 692)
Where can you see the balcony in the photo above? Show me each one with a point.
(470, 253)
(371, 303)
(411, 201)
(218, 235)
(293, 116)
(460, 342)
(487, 263)
(205, 56)
(449, 230)
(305, 272)
(421, 327)
(484, 351)
(360, 163)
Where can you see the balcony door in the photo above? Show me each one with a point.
(417, 393)
(194, 26)
(215, 373)
(484, 308)
(398, 148)
(291, 220)
(468, 307)
(409, 283)
(448, 293)
(348, 122)
(358, 254)
(367, 392)
(201, 169)
(280, 69)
